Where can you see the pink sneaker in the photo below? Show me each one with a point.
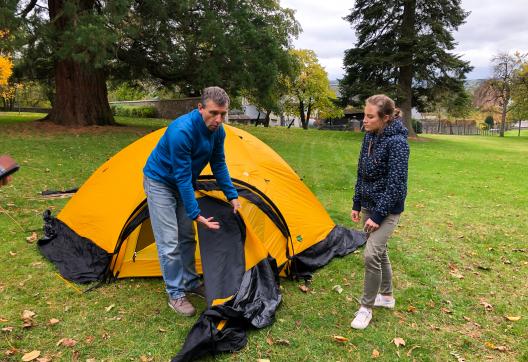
(182, 306)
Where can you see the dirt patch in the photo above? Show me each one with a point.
(51, 129)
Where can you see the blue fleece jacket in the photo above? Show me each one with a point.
(381, 185)
(183, 152)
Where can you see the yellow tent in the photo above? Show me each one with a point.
(110, 208)
(104, 232)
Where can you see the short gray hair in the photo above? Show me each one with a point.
(215, 94)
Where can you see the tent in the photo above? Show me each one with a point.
(104, 233)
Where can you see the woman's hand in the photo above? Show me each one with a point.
(370, 226)
(355, 215)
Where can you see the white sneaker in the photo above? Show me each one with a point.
(362, 320)
(382, 302)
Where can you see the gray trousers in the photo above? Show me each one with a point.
(378, 270)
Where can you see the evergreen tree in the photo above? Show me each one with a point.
(402, 50)
(80, 44)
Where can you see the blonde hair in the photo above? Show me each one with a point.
(385, 105)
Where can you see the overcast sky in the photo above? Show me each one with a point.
(491, 27)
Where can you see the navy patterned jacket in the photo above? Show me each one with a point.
(381, 185)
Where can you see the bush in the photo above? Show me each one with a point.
(489, 122)
(135, 111)
(417, 126)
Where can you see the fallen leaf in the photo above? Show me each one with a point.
(7, 329)
(89, 339)
(340, 339)
(411, 309)
(411, 350)
(67, 342)
(398, 341)
(489, 345)
(91, 360)
(53, 321)
(11, 351)
(44, 359)
(12, 253)
(75, 356)
(501, 348)
(162, 330)
(466, 318)
(375, 353)
(146, 358)
(304, 288)
(2, 320)
(456, 275)
(338, 289)
(445, 310)
(269, 341)
(27, 314)
(513, 319)
(488, 307)
(283, 342)
(30, 356)
(263, 360)
(109, 308)
(458, 356)
(32, 238)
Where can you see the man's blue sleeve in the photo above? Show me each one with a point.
(219, 168)
(180, 149)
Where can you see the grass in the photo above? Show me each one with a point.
(460, 246)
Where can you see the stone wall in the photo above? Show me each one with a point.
(169, 109)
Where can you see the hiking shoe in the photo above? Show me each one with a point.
(199, 290)
(182, 306)
(382, 302)
(362, 319)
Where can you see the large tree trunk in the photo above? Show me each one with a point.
(267, 119)
(505, 101)
(406, 67)
(301, 113)
(308, 113)
(81, 97)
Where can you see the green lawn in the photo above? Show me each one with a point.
(460, 256)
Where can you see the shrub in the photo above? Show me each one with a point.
(417, 126)
(134, 111)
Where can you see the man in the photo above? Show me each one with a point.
(189, 143)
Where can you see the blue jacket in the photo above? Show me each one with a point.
(183, 152)
(381, 185)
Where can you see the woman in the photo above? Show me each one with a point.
(379, 198)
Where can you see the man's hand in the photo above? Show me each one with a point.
(5, 180)
(355, 215)
(370, 226)
(236, 205)
(208, 222)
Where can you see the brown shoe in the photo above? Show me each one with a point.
(182, 306)
(199, 290)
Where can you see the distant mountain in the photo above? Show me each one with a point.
(472, 84)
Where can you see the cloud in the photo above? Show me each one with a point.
(491, 27)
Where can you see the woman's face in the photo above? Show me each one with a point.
(372, 122)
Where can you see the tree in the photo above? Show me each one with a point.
(520, 96)
(309, 88)
(402, 50)
(81, 44)
(489, 122)
(496, 93)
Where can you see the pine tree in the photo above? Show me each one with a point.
(402, 50)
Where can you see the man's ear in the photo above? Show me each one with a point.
(200, 106)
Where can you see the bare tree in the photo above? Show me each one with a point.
(496, 93)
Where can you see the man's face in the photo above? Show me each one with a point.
(212, 114)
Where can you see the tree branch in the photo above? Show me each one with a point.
(30, 6)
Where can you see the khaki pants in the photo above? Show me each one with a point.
(378, 271)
